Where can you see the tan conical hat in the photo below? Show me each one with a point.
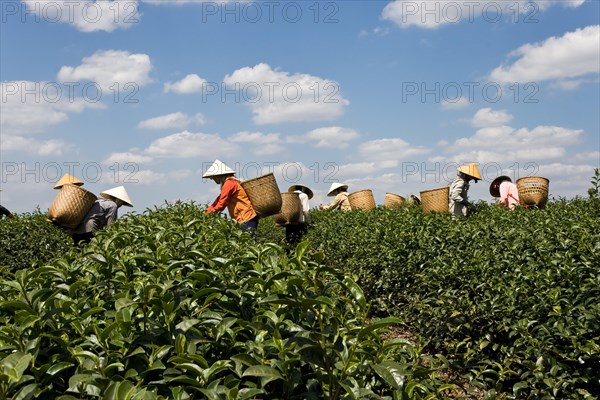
(218, 168)
(335, 186)
(67, 179)
(471, 170)
(118, 192)
(302, 188)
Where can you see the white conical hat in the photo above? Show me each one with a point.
(118, 192)
(218, 168)
(335, 186)
(67, 179)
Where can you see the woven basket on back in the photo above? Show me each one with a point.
(291, 209)
(70, 206)
(362, 200)
(435, 200)
(264, 194)
(393, 200)
(533, 191)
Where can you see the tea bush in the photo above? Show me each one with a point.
(27, 239)
(511, 298)
(177, 304)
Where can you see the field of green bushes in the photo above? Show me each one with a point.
(385, 304)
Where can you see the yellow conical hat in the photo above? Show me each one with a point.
(471, 170)
(68, 179)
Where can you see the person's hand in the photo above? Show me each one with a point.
(320, 206)
(472, 208)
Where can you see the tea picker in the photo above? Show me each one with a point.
(458, 201)
(102, 213)
(232, 196)
(295, 231)
(340, 201)
(504, 188)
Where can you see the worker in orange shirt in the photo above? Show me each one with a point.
(233, 196)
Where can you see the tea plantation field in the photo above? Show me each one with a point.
(385, 304)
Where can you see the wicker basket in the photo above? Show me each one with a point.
(291, 209)
(435, 200)
(70, 206)
(264, 195)
(533, 191)
(362, 200)
(393, 200)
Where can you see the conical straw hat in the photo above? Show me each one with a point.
(471, 170)
(218, 168)
(68, 179)
(495, 186)
(303, 189)
(335, 186)
(118, 192)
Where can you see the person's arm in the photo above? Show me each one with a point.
(111, 213)
(336, 203)
(227, 192)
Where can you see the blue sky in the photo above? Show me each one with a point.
(382, 95)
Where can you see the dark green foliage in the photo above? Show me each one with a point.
(28, 239)
(178, 304)
(511, 298)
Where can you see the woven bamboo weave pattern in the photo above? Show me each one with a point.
(291, 209)
(362, 200)
(393, 200)
(264, 194)
(435, 200)
(533, 191)
(70, 206)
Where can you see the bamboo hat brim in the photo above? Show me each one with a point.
(218, 168)
(303, 189)
(118, 192)
(335, 186)
(471, 170)
(68, 179)
(495, 186)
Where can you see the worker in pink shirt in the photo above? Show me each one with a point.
(506, 190)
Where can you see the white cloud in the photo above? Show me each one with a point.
(31, 107)
(434, 14)
(263, 143)
(192, 83)
(187, 144)
(486, 117)
(111, 70)
(146, 176)
(212, 3)
(588, 155)
(504, 143)
(386, 150)
(87, 15)
(126, 158)
(276, 96)
(357, 169)
(332, 136)
(459, 104)
(558, 58)
(177, 120)
(51, 147)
